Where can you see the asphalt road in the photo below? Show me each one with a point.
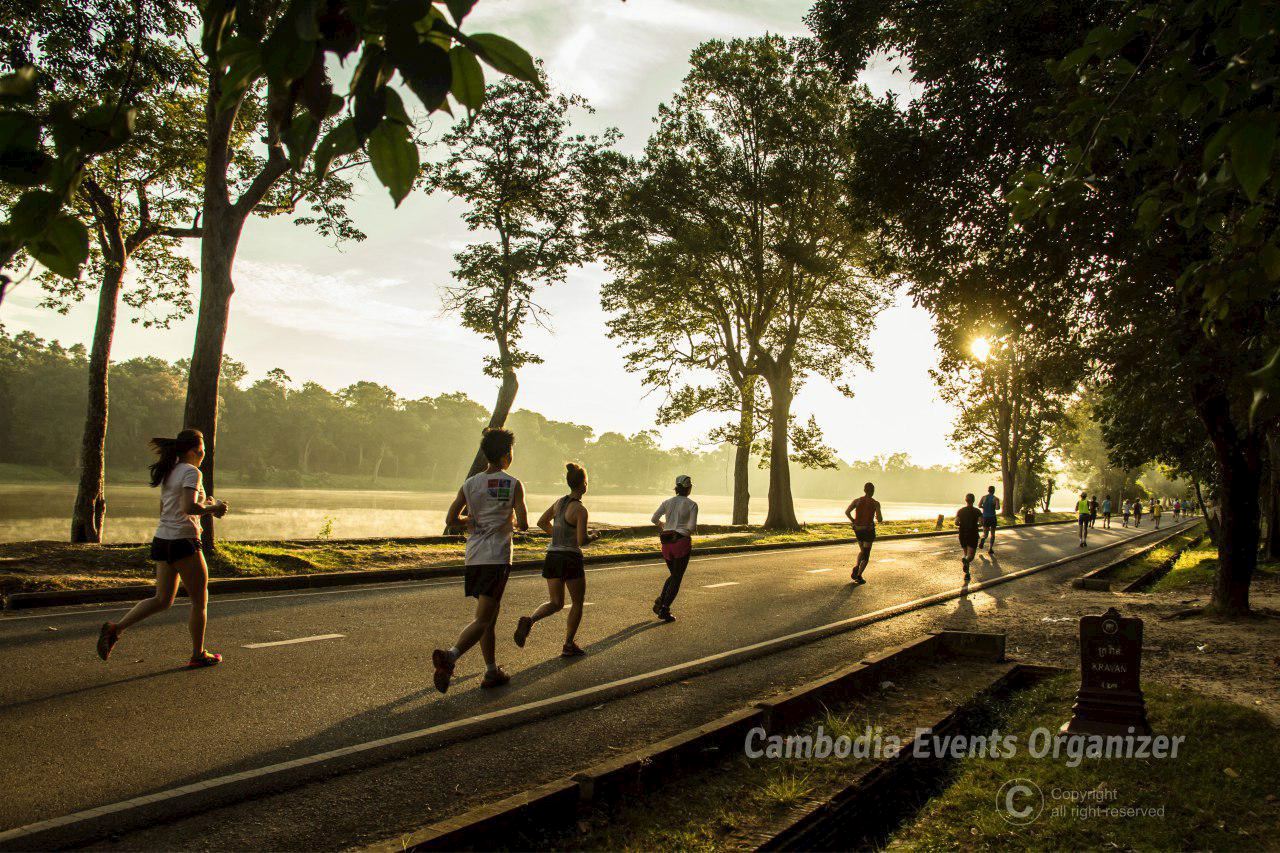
(76, 733)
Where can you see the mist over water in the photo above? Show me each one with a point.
(42, 511)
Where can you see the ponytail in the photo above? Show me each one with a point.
(170, 451)
(575, 475)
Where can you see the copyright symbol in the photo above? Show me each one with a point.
(1020, 801)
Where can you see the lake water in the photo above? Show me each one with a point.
(42, 511)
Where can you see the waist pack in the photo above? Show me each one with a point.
(674, 545)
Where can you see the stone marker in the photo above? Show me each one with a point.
(1110, 699)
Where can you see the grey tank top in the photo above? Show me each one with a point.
(564, 536)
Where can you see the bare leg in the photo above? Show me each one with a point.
(166, 589)
(195, 580)
(577, 593)
(554, 602)
(480, 629)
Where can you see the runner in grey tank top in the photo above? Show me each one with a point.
(564, 536)
(566, 521)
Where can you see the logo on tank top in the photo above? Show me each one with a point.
(499, 489)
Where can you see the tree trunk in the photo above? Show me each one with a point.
(742, 453)
(1008, 485)
(502, 408)
(1210, 524)
(1238, 457)
(1272, 550)
(91, 503)
(782, 510)
(217, 254)
(377, 466)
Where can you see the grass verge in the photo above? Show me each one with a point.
(1138, 565)
(1196, 567)
(36, 566)
(1218, 794)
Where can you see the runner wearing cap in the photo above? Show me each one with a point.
(863, 513)
(677, 521)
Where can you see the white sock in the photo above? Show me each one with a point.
(454, 654)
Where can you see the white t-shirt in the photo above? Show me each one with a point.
(681, 515)
(174, 521)
(490, 498)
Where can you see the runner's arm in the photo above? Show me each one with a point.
(848, 511)
(522, 512)
(454, 517)
(584, 536)
(693, 521)
(879, 517)
(544, 523)
(657, 516)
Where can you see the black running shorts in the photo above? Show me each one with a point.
(488, 580)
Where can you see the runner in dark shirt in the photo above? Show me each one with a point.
(863, 513)
(968, 519)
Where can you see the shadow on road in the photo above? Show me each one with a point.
(92, 687)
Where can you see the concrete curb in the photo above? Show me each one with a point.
(557, 802)
(1097, 581)
(87, 825)
(277, 583)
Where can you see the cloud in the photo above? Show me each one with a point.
(345, 305)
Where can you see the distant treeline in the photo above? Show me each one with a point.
(275, 433)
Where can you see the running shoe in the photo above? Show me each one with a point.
(571, 650)
(523, 626)
(495, 678)
(107, 638)
(444, 669)
(204, 659)
(657, 606)
(666, 615)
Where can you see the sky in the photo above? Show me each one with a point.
(371, 310)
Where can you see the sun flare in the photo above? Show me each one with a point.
(981, 348)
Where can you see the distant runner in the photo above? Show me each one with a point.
(968, 518)
(1106, 511)
(677, 521)
(566, 522)
(863, 513)
(990, 505)
(488, 504)
(1155, 512)
(1093, 510)
(1082, 509)
(1137, 512)
(1128, 507)
(176, 546)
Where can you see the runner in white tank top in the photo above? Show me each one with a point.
(490, 505)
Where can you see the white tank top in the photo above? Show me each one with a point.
(490, 498)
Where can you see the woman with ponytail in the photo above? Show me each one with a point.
(566, 522)
(176, 546)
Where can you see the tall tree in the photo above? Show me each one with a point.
(524, 178)
(1009, 370)
(266, 67)
(135, 196)
(1163, 185)
(738, 216)
(936, 169)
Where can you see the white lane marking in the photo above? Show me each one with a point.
(888, 560)
(817, 571)
(718, 585)
(295, 640)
